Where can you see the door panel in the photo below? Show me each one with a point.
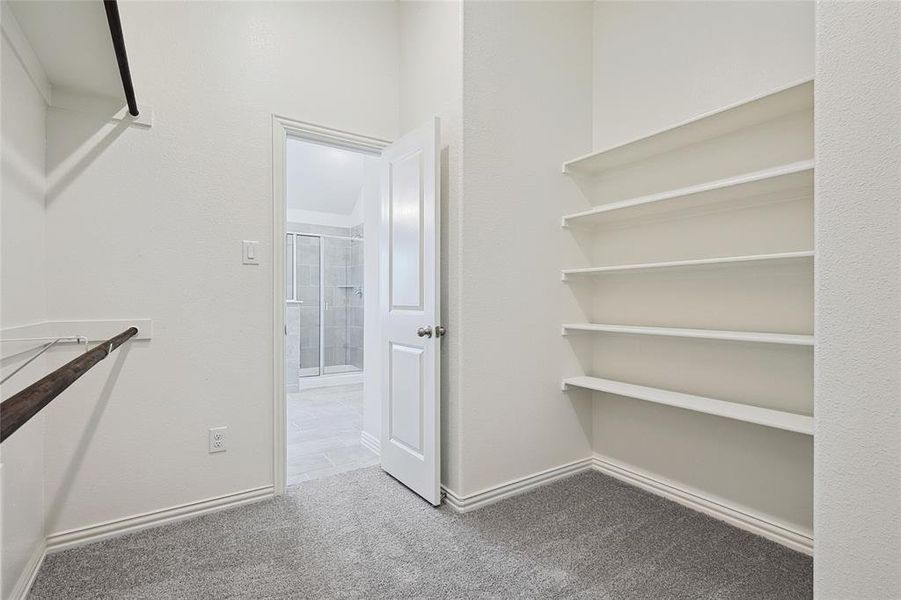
(409, 305)
(405, 398)
(406, 227)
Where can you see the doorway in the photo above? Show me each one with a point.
(326, 189)
(335, 194)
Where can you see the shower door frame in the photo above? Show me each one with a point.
(282, 128)
(322, 366)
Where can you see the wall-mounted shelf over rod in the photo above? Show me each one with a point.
(767, 417)
(768, 107)
(784, 182)
(115, 29)
(788, 339)
(803, 255)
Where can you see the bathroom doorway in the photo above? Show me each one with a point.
(335, 192)
(331, 203)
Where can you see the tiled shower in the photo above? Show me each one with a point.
(324, 313)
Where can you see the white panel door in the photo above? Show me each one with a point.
(409, 301)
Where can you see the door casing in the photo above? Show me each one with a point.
(282, 128)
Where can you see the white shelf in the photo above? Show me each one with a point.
(768, 107)
(784, 182)
(789, 339)
(730, 410)
(803, 255)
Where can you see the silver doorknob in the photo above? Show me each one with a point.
(424, 332)
(440, 331)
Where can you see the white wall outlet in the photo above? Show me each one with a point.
(218, 439)
(251, 252)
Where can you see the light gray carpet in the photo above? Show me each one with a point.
(362, 535)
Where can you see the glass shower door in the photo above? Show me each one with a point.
(343, 308)
(324, 315)
(307, 274)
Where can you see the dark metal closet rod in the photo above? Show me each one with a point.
(115, 29)
(16, 410)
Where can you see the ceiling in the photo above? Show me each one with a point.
(323, 178)
(72, 41)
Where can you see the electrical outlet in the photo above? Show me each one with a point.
(218, 439)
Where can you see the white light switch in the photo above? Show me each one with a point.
(250, 253)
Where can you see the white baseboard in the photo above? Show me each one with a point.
(494, 494)
(793, 539)
(29, 574)
(330, 380)
(371, 442)
(94, 533)
(796, 540)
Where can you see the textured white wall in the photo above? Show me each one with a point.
(526, 109)
(857, 511)
(150, 222)
(430, 60)
(660, 63)
(431, 85)
(22, 301)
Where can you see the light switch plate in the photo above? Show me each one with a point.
(251, 252)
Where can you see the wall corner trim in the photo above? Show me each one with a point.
(791, 538)
(464, 504)
(29, 574)
(799, 541)
(101, 531)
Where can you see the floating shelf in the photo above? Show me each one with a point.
(731, 410)
(697, 262)
(768, 107)
(784, 182)
(789, 339)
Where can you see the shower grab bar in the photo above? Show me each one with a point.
(19, 408)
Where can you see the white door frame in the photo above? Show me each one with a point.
(282, 127)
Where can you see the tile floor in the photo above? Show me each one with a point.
(324, 427)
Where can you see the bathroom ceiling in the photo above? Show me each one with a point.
(324, 179)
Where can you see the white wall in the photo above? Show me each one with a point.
(526, 109)
(430, 60)
(150, 222)
(857, 511)
(22, 302)
(431, 85)
(657, 64)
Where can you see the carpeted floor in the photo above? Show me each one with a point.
(362, 535)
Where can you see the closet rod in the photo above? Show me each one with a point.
(16, 410)
(115, 29)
